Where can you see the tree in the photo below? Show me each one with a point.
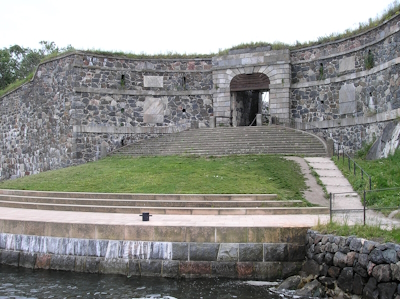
(17, 62)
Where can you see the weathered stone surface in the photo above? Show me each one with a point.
(92, 264)
(346, 64)
(43, 261)
(387, 290)
(27, 260)
(251, 252)
(376, 256)
(194, 269)
(134, 268)
(382, 273)
(347, 99)
(370, 291)
(153, 81)
(150, 268)
(340, 259)
(275, 252)
(170, 269)
(311, 267)
(355, 244)
(296, 252)
(328, 259)
(358, 284)
(268, 271)
(62, 262)
(360, 270)
(9, 258)
(368, 247)
(204, 252)
(290, 268)
(345, 280)
(351, 258)
(319, 258)
(311, 289)
(328, 282)
(180, 251)
(390, 256)
(334, 271)
(290, 283)
(245, 270)
(395, 270)
(363, 260)
(224, 269)
(228, 252)
(97, 248)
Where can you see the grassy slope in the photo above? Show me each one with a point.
(385, 173)
(183, 175)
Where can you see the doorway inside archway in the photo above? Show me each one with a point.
(249, 97)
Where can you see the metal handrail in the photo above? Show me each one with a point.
(253, 121)
(354, 164)
(364, 208)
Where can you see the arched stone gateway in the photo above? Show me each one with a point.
(246, 98)
(240, 79)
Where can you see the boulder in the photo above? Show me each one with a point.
(382, 273)
(290, 283)
(387, 290)
(370, 291)
(345, 280)
(340, 259)
(311, 289)
(311, 267)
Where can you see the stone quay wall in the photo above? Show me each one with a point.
(357, 266)
(263, 261)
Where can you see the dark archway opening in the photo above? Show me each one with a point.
(247, 97)
(246, 107)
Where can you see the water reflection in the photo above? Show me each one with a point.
(23, 283)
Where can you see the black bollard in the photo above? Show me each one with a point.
(145, 216)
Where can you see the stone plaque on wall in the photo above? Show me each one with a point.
(154, 110)
(347, 64)
(347, 99)
(153, 81)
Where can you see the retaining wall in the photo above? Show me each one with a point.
(264, 261)
(357, 266)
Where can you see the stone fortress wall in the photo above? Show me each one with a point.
(81, 106)
(333, 88)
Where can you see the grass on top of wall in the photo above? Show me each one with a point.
(370, 232)
(385, 173)
(250, 174)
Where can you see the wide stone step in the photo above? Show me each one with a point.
(169, 210)
(141, 196)
(229, 141)
(147, 203)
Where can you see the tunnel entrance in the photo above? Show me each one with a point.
(247, 94)
(246, 107)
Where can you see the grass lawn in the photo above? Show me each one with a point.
(250, 174)
(385, 173)
(369, 232)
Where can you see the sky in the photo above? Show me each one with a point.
(154, 27)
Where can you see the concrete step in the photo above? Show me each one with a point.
(227, 141)
(147, 203)
(168, 210)
(141, 196)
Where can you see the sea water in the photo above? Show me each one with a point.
(21, 283)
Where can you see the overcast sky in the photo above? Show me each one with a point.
(153, 26)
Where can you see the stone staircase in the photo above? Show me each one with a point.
(172, 204)
(229, 141)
